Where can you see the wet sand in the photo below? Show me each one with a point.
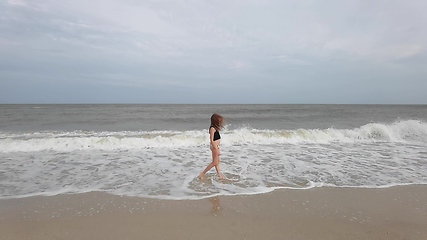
(320, 213)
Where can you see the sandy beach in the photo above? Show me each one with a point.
(320, 213)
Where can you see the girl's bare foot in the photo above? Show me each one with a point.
(202, 176)
(221, 176)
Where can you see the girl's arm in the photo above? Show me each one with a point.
(211, 135)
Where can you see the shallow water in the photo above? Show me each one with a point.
(158, 150)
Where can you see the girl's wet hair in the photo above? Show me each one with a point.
(217, 121)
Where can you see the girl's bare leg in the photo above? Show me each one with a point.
(215, 163)
(217, 168)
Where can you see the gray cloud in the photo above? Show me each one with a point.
(213, 51)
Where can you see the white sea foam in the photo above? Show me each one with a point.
(411, 130)
(165, 164)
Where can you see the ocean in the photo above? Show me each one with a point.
(157, 151)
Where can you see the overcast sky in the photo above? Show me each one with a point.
(200, 51)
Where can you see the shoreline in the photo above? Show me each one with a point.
(96, 192)
(319, 213)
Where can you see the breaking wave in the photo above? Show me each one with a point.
(399, 131)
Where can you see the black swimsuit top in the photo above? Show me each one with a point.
(216, 134)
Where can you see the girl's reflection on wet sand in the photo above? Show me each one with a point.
(216, 205)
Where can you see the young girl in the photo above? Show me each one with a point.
(217, 122)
